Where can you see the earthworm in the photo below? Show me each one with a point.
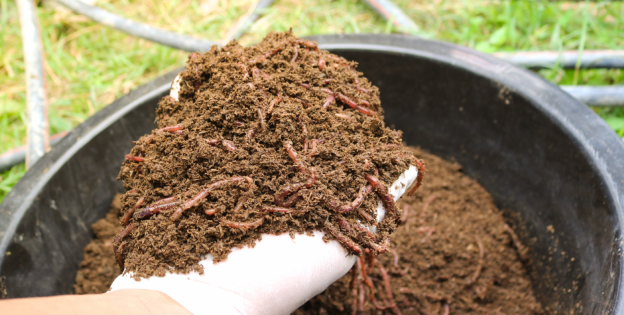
(419, 177)
(128, 214)
(327, 91)
(177, 132)
(330, 99)
(362, 298)
(251, 85)
(213, 142)
(365, 103)
(262, 120)
(368, 282)
(307, 44)
(366, 164)
(251, 133)
(313, 145)
(212, 187)
(243, 225)
(293, 189)
(386, 198)
(304, 103)
(265, 75)
(334, 205)
(171, 128)
(343, 116)
(382, 247)
(321, 63)
(273, 103)
(353, 105)
(118, 252)
(425, 229)
(396, 257)
(304, 129)
(522, 251)
(366, 231)
(261, 58)
(154, 209)
(405, 212)
(210, 212)
(293, 155)
(119, 237)
(477, 273)
(294, 58)
(447, 309)
(229, 145)
(255, 73)
(328, 81)
(276, 209)
(244, 69)
(423, 214)
(134, 158)
(305, 85)
(367, 217)
(361, 89)
(344, 240)
(238, 123)
(354, 289)
(386, 282)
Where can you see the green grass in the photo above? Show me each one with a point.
(88, 66)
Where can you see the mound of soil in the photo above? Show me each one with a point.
(454, 252)
(275, 138)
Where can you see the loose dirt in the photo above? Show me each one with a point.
(280, 137)
(452, 228)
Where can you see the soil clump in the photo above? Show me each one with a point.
(433, 263)
(280, 137)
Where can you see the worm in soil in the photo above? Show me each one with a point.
(118, 252)
(307, 44)
(294, 58)
(342, 239)
(212, 187)
(353, 105)
(262, 120)
(386, 281)
(334, 205)
(229, 145)
(119, 237)
(273, 103)
(126, 218)
(321, 63)
(328, 101)
(419, 177)
(134, 158)
(277, 209)
(386, 198)
(243, 225)
(154, 209)
(480, 266)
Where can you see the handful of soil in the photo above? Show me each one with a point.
(276, 138)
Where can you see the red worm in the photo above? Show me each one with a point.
(294, 58)
(313, 145)
(307, 44)
(304, 103)
(304, 129)
(255, 73)
(154, 209)
(342, 239)
(171, 128)
(262, 119)
(242, 65)
(238, 123)
(134, 158)
(305, 85)
(353, 105)
(251, 85)
(276, 209)
(210, 212)
(380, 248)
(265, 56)
(177, 132)
(212, 187)
(387, 286)
(293, 155)
(419, 177)
(321, 63)
(365, 103)
(213, 142)
(328, 81)
(367, 217)
(119, 237)
(361, 89)
(343, 116)
(386, 197)
(273, 103)
(251, 133)
(229, 145)
(118, 252)
(327, 91)
(243, 225)
(130, 212)
(334, 205)
(330, 99)
(293, 189)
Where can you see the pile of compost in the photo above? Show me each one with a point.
(280, 137)
(454, 252)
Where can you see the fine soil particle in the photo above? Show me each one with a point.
(98, 268)
(437, 256)
(454, 255)
(275, 138)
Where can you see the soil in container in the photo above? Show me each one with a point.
(455, 254)
(280, 137)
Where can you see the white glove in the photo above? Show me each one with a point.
(275, 277)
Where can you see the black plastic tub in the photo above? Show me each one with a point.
(545, 158)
